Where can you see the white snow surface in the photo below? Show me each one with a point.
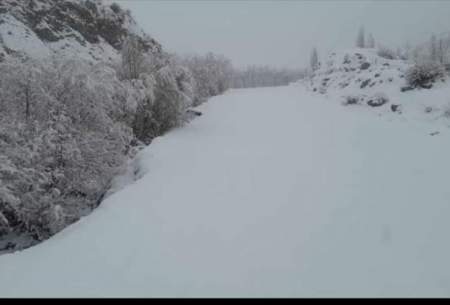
(273, 192)
(18, 37)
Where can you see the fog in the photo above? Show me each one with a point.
(282, 33)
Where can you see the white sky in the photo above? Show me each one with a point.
(282, 33)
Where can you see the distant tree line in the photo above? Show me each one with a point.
(264, 76)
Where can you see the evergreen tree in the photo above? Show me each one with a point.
(434, 49)
(314, 61)
(360, 40)
(370, 42)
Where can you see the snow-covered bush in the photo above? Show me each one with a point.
(378, 99)
(135, 60)
(423, 74)
(211, 73)
(350, 100)
(168, 94)
(386, 53)
(64, 133)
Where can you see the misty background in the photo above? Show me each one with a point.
(282, 33)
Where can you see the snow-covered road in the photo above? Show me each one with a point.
(272, 192)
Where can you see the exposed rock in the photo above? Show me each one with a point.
(194, 112)
(406, 88)
(365, 66)
(378, 100)
(350, 100)
(428, 109)
(346, 60)
(395, 107)
(365, 83)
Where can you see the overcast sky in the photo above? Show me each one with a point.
(282, 33)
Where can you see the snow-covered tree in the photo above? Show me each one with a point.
(132, 58)
(314, 60)
(211, 73)
(434, 55)
(58, 159)
(360, 40)
(442, 50)
(370, 42)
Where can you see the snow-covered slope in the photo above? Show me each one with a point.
(89, 29)
(360, 77)
(272, 192)
(354, 70)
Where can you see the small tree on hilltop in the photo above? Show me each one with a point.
(433, 49)
(360, 40)
(370, 42)
(314, 61)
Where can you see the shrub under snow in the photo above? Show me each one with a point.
(386, 53)
(422, 75)
(212, 75)
(63, 135)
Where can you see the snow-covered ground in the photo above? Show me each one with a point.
(272, 192)
(363, 75)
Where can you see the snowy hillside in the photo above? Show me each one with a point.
(93, 30)
(362, 78)
(320, 202)
(356, 69)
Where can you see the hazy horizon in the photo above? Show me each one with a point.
(282, 33)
